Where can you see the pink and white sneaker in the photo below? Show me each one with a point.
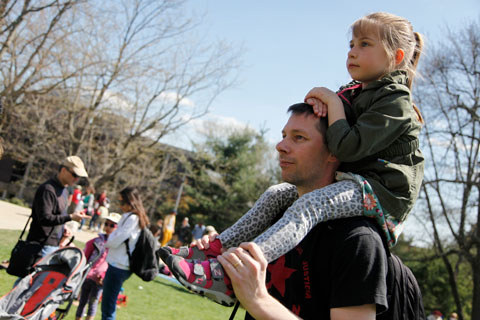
(206, 278)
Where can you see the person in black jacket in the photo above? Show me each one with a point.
(49, 209)
(184, 234)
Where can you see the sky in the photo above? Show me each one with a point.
(293, 46)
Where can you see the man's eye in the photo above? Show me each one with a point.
(297, 137)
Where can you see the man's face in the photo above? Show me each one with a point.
(67, 177)
(302, 153)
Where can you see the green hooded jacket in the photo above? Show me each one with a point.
(380, 140)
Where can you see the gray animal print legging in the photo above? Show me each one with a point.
(342, 199)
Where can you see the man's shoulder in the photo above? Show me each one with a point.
(354, 225)
(340, 231)
(46, 186)
(51, 184)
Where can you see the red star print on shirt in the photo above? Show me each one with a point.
(278, 274)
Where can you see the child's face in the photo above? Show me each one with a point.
(109, 226)
(367, 60)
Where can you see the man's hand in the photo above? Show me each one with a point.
(78, 216)
(67, 232)
(246, 266)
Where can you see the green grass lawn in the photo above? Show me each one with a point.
(158, 299)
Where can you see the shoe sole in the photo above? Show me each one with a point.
(216, 296)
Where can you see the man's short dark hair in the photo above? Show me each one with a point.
(306, 109)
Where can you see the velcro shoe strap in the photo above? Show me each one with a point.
(216, 269)
(198, 268)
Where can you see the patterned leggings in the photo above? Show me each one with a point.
(342, 199)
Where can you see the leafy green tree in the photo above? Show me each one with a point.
(432, 276)
(231, 172)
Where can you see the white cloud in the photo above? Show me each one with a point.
(196, 129)
(171, 97)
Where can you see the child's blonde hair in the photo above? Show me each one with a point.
(395, 33)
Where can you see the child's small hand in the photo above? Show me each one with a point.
(329, 99)
(319, 108)
(323, 94)
(204, 242)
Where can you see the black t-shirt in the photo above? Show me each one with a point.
(340, 263)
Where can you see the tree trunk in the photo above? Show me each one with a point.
(26, 176)
(476, 292)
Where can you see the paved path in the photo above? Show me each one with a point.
(14, 217)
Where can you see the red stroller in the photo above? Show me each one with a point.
(56, 280)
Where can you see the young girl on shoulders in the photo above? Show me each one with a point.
(373, 130)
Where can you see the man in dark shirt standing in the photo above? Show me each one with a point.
(49, 210)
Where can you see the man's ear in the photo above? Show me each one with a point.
(399, 55)
(332, 158)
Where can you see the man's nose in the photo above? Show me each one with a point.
(281, 146)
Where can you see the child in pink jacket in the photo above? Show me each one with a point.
(93, 285)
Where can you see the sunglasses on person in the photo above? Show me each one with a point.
(73, 174)
(111, 225)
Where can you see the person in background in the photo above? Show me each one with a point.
(88, 204)
(49, 209)
(95, 251)
(102, 214)
(76, 203)
(435, 315)
(184, 234)
(168, 227)
(101, 208)
(453, 316)
(198, 231)
(160, 230)
(210, 230)
(134, 219)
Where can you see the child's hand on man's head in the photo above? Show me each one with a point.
(325, 101)
(319, 108)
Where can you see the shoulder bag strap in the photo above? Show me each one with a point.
(128, 248)
(25, 228)
(126, 241)
(232, 316)
(49, 234)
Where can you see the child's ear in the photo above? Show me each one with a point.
(399, 55)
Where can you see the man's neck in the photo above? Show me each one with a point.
(58, 176)
(323, 182)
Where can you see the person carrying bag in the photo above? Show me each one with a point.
(24, 255)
